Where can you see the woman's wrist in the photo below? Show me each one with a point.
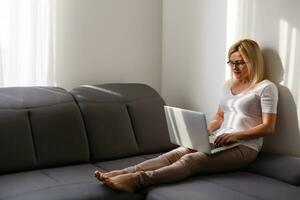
(240, 135)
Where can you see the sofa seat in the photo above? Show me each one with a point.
(258, 186)
(235, 185)
(124, 162)
(194, 188)
(69, 182)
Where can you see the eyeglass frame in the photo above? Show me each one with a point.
(239, 64)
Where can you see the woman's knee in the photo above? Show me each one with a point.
(189, 159)
(194, 161)
(175, 154)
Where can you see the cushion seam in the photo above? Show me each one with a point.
(229, 188)
(33, 139)
(46, 188)
(133, 128)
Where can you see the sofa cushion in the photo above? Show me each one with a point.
(281, 167)
(114, 92)
(235, 185)
(69, 182)
(255, 185)
(13, 185)
(125, 162)
(16, 145)
(194, 188)
(48, 121)
(120, 163)
(59, 135)
(79, 191)
(82, 173)
(28, 97)
(110, 131)
(133, 114)
(149, 124)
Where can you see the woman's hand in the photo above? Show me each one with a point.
(227, 138)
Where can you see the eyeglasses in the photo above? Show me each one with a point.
(239, 64)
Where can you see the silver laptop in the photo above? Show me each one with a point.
(188, 128)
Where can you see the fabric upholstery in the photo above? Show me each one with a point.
(12, 185)
(115, 92)
(280, 167)
(27, 97)
(109, 130)
(149, 124)
(59, 135)
(236, 185)
(79, 191)
(69, 182)
(133, 114)
(16, 145)
(41, 127)
(72, 173)
(120, 163)
(254, 185)
(192, 189)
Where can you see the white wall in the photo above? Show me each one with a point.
(102, 41)
(196, 35)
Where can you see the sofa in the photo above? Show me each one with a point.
(52, 140)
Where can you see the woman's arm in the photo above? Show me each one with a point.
(216, 122)
(267, 127)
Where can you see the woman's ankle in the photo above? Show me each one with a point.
(143, 179)
(131, 169)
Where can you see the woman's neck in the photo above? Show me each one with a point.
(242, 82)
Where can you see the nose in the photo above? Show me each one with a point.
(236, 67)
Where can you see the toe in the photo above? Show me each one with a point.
(102, 176)
(99, 176)
(97, 173)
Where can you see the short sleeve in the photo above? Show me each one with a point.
(269, 99)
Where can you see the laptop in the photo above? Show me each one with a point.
(188, 128)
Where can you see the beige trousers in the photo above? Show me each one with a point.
(183, 162)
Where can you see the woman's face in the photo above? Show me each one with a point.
(238, 66)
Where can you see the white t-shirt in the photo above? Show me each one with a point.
(244, 110)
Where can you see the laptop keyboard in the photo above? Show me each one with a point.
(211, 142)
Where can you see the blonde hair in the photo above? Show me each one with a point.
(251, 53)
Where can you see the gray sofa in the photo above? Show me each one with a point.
(51, 141)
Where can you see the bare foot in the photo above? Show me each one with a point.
(113, 173)
(99, 176)
(123, 182)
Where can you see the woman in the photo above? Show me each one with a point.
(246, 113)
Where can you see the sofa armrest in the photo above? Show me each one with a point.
(281, 167)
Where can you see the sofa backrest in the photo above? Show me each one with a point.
(278, 166)
(122, 120)
(40, 127)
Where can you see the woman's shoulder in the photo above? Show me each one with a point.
(266, 85)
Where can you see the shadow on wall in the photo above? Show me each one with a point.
(287, 137)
